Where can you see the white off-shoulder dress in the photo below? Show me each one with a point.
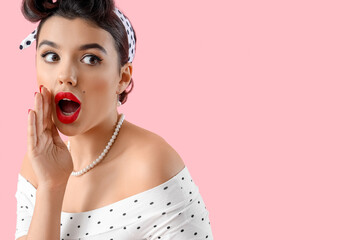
(173, 210)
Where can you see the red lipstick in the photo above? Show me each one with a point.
(66, 116)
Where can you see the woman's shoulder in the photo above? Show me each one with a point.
(152, 160)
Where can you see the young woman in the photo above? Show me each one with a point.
(112, 179)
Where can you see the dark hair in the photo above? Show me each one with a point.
(99, 12)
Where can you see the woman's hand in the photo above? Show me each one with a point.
(49, 156)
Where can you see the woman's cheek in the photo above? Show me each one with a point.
(43, 80)
(45, 76)
(100, 88)
(99, 85)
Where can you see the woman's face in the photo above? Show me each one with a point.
(78, 57)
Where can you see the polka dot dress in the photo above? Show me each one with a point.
(172, 210)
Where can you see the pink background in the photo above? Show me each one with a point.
(260, 98)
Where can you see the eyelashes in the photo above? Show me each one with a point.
(93, 56)
(45, 55)
(52, 57)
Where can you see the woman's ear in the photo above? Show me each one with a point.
(125, 77)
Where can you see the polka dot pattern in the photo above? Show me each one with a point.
(130, 33)
(125, 21)
(162, 212)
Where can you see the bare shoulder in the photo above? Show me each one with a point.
(154, 160)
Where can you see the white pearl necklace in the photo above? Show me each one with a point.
(102, 155)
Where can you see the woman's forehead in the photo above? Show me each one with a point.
(74, 32)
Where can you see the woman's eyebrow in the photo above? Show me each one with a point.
(81, 48)
(47, 42)
(92, 45)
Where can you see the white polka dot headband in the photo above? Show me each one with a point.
(130, 34)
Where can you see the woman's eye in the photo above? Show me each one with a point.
(88, 59)
(50, 57)
(92, 59)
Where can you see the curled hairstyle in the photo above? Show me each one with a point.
(99, 12)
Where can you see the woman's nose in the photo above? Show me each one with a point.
(67, 75)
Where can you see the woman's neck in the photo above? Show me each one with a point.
(87, 147)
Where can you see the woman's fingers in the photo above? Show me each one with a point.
(47, 108)
(56, 136)
(31, 132)
(39, 114)
(48, 123)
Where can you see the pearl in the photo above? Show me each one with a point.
(102, 155)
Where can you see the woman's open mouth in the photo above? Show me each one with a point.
(67, 107)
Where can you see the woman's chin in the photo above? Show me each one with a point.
(65, 129)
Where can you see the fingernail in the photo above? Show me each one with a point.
(29, 110)
(40, 87)
(35, 93)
